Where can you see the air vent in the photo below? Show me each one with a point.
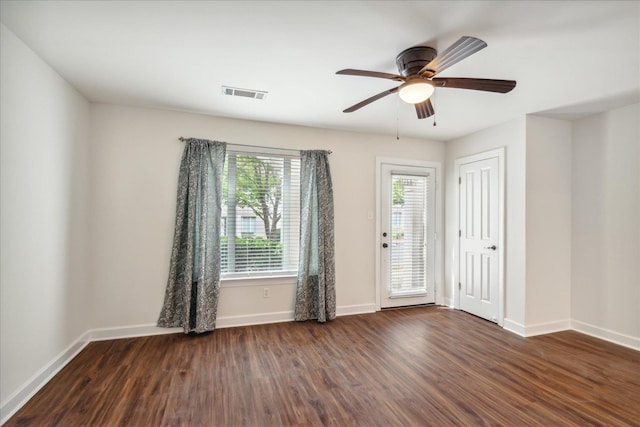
(245, 93)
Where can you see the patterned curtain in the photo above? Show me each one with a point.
(315, 290)
(191, 298)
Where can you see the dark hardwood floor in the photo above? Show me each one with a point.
(416, 366)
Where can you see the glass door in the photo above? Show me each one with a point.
(408, 242)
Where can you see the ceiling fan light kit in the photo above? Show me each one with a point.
(416, 90)
(418, 67)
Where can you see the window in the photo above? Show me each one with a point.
(248, 225)
(261, 204)
(396, 220)
(397, 230)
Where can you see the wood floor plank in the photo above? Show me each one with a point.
(417, 366)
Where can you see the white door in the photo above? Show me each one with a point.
(407, 235)
(479, 238)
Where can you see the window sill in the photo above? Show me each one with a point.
(232, 282)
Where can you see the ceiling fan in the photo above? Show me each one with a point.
(418, 67)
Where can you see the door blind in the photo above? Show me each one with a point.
(409, 232)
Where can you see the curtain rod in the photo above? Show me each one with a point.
(257, 146)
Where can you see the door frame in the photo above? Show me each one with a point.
(438, 283)
(455, 273)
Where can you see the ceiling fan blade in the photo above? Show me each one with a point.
(367, 101)
(365, 73)
(464, 47)
(425, 109)
(487, 85)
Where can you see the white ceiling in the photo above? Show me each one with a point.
(569, 58)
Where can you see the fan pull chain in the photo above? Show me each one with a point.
(397, 118)
(434, 109)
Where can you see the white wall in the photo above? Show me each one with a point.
(605, 294)
(548, 224)
(43, 271)
(135, 159)
(512, 136)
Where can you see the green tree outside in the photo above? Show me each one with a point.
(398, 192)
(258, 186)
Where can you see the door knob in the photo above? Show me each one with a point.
(493, 248)
(384, 245)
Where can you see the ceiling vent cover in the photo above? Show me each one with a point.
(245, 93)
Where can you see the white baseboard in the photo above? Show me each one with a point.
(221, 322)
(606, 334)
(254, 319)
(348, 310)
(538, 329)
(21, 396)
(129, 332)
(567, 324)
(547, 328)
(286, 316)
(448, 302)
(514, 327)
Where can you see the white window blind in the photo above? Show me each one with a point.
(409, 235)
(261, 208)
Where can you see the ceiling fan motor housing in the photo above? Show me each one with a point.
(412, 60)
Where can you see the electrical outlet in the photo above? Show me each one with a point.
(265, 293)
